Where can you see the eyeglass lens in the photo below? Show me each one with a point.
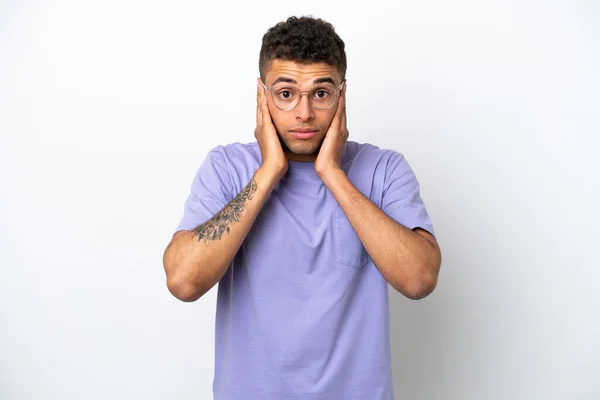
(287, 97)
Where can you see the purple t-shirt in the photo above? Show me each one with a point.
(302, 311)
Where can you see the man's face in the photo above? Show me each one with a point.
(301, 130)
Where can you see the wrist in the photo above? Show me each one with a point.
(271, 176)
(331, 175)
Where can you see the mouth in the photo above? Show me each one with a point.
(304, 133)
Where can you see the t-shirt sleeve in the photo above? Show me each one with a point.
(210, 191)
(401, 197)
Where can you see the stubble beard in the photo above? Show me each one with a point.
(309, 148)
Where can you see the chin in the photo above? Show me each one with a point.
(303, 148)
(305, 151)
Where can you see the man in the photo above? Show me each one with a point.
(303, 230)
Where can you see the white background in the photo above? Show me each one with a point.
(108, 108)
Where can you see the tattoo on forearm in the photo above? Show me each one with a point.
(216, 227)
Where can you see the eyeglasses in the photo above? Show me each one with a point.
(287, 98)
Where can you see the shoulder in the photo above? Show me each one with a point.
(240, 160)
(235, 156)
(364, 154)
(237, 152)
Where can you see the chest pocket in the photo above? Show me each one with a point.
(362, 172)
(350, 251)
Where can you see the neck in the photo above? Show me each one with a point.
(300, 157)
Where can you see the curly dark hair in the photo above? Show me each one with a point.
(304, 40)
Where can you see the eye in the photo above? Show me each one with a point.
(286, 94)
(321, 94)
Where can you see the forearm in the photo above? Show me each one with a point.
(407, 259)
(196, 260)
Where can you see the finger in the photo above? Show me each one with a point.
(342, 101)
(337, 117)
(344, 121)
(344, 116)
(265, 114)
(257, 103)
(343, 98)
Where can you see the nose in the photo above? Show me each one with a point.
(304, 110)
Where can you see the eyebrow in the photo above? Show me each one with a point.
(290, 80)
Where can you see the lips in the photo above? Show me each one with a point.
(304, 133)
